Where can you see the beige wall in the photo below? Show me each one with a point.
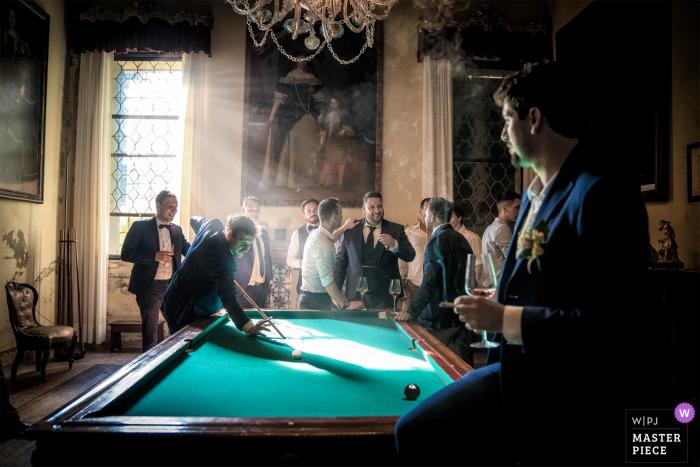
(38, 223)
(685, 124)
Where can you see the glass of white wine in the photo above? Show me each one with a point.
(395, 290)
(362, 288)
(475, 286)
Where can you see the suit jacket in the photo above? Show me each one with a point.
(140, 247)
(444, 272)
(348, 259)
(244, 264)
(205, 282)
(584, 304)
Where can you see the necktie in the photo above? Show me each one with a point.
(261, 260)
(370, 238)
(312, 227)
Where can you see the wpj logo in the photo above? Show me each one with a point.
(657, 435)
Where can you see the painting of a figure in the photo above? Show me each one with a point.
(311, 127)
(23, 59)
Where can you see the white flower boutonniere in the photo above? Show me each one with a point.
(530, 244)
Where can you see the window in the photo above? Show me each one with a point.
(481, 161)
(147, 138)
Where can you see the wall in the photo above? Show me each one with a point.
(685, 124)
(29, 246)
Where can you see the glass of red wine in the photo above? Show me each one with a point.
(480, 271)
(395, 290)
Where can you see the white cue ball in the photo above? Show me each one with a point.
(296, 354)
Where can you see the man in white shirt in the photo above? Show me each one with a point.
(295, 253)
(413, 271)
(254, 268)
(317, 286)
(498, 235)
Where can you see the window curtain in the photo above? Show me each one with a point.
(91, 195)
(437, 128)
(193, 84)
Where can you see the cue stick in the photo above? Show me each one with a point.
(257, 308)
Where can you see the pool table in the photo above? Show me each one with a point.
(211, 395)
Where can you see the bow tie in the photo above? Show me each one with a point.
(164, 226)
(312, 227)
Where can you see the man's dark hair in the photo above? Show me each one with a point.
(551, 87)
(506, 197)
(248, 199)
(307, 201)
(241, 223)
(425, 200)
(164, 194)
(327, 208)
(458, 211)
(371, 194)
(441, 208)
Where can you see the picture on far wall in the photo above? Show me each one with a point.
(694, 172)
(312, 129)
(24, 47)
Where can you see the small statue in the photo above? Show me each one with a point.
(668, 250)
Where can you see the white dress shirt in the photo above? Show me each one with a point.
(255, 277)
(414, 269)
(165, 270)
(496, 242)
(294, 252)
(377, 232)
(474, 241)
(317, 266)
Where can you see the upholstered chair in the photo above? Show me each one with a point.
(29, 334)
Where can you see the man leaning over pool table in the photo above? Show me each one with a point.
(204, 283)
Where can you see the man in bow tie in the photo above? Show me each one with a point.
(156, 247)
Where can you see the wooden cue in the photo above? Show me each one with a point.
(257, 308)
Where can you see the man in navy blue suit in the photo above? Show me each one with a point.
(444, 270)
(205, 282)
(372, 249)
(254, 268)
(156, 247)
(563, 307)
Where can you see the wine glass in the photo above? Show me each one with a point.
(395, 290)
(362, 288)
(476, 287)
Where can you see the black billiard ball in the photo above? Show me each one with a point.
(412, 392)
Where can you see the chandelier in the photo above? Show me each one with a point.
(332, 17)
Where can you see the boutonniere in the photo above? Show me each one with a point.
(530, 244)
(311, 90)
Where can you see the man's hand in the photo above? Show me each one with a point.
(269, 285)
(260, 326)
(402, 316)
(164, 256)
(350, 223)
(358, 305)
(480, 313)
(388, 241)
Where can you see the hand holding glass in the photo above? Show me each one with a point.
(362, 288)
(485, 289)
(395, 290)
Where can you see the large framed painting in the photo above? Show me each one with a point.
(23, 67)
(312, 129)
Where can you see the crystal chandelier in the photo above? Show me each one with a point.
(332, 16)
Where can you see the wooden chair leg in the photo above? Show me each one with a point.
(44, 361)
(71, 350)
(15, 364)
(38, 359)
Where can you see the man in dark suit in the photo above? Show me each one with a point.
(156, 247)
(444, 270)
(254, 268)
(205, 282)
(562, 310)
(372, 249)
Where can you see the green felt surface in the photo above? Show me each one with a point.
(349, 367)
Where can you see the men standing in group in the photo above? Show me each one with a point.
(254, 268)
(206, 280)
(554, 314)
(444, 271)
(318, 287)
(497, 236)
(372, 249)
(156, 247)
(418, 236)
(295, 254)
